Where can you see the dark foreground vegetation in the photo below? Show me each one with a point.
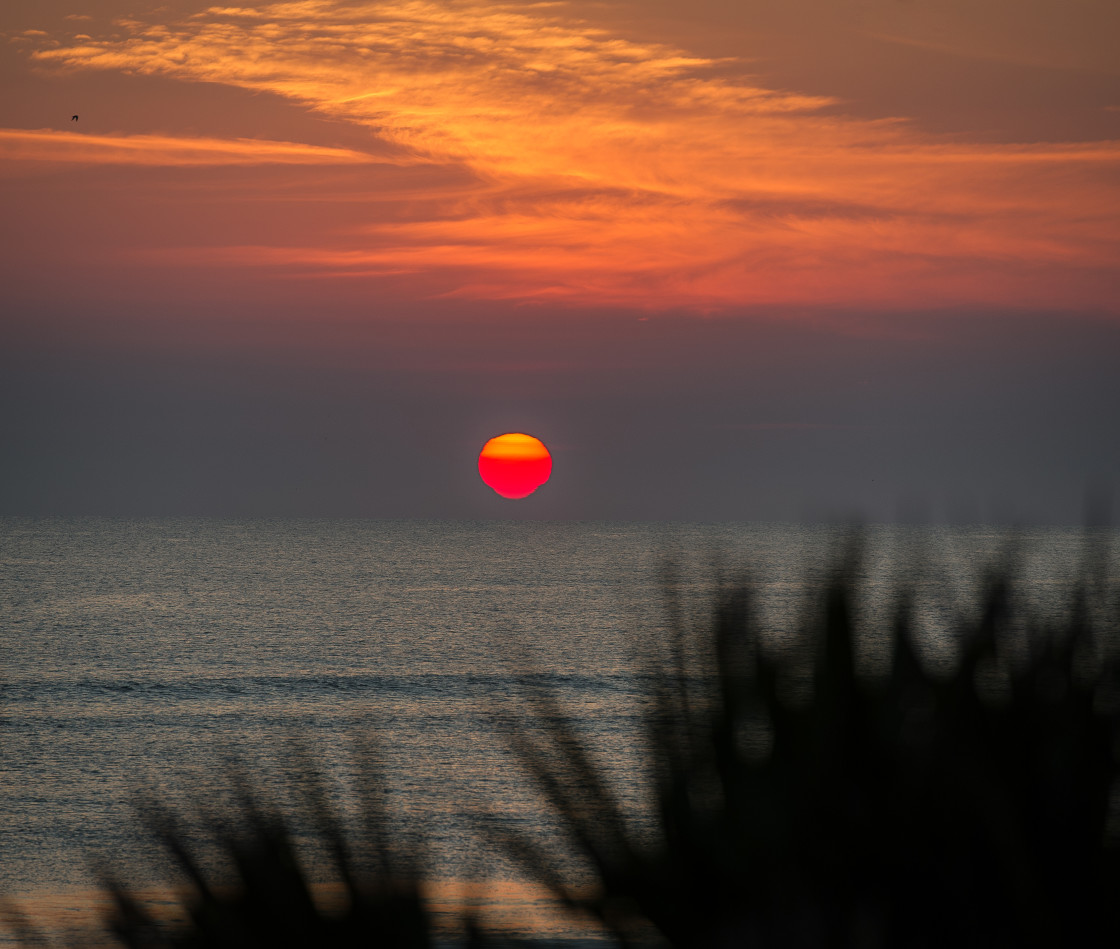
(799, 804)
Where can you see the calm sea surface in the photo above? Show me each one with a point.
(165, 656)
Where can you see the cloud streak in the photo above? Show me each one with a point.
(47, 145)
(603, 170)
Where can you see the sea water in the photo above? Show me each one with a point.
(167, 659)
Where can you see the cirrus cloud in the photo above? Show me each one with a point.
(608, 170)
(48, 145)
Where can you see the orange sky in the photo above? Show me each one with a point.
(846, 252)
(562, 153)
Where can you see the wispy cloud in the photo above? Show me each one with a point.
(48, 145)
(607, 170)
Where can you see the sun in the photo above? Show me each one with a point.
(515, 464)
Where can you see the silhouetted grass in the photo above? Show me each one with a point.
(799, 804)
(270, 901)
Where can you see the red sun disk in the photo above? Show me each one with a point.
(515, 478)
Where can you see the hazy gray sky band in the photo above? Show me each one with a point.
(966, 416)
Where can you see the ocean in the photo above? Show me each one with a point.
(170, 658)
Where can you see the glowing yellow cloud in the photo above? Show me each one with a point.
(46, 145)
(605, 170)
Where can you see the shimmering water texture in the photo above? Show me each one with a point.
(452, 728)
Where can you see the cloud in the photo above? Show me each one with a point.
(47, 145)
(605, 170)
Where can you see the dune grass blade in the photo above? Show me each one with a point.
(968, 810)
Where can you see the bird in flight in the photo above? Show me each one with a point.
(73, 118)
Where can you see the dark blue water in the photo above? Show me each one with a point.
(162, 655)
